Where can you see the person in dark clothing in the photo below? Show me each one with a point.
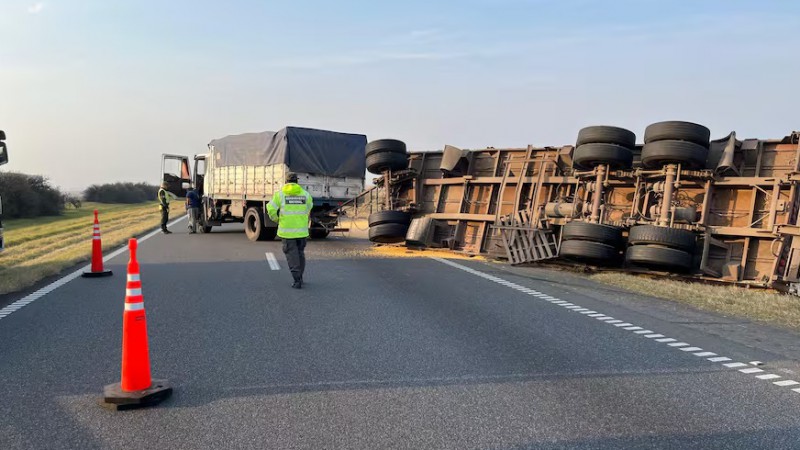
(193, 206)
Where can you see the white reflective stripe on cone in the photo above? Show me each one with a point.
(133, 277)
(133, 292)
(134, 306)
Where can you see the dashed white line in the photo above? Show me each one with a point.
(719, 359)
(273, 263)
(683, 346)
(769, 376)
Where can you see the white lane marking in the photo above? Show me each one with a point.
(734, 365)
(719, 359)
(769, 376)
(6, 311)
(273, 263)
(683, 346)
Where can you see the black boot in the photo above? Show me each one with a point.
(298, 284)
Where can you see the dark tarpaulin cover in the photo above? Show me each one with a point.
(304, 150)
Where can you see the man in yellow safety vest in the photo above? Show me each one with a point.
(290, 208)
(163, 206)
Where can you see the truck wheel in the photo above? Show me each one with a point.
(378, 163)
(655, 257)
(588, 156)
(668, 237)
(677, 131)
(691, 155)
(589, 251)
(385, 145)
(606, 135)
(254, 225)
(318, 232)
(594, 232)
(382, 217)
(388, 233)
(206, 229)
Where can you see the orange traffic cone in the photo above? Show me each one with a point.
(136, 389)
(97, 253)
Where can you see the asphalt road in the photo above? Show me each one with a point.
(385, 353)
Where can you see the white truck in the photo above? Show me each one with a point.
(3, 160)
(239, 174)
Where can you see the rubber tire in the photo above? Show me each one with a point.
(205, 229)
(658, 257)
(388, 233)
(318, 233)
(385, 145)
(588, 156)
(593, 232)
(589, 251)
(378, 163)
(606, 135)
(675, 238)
(688, 154)
(677, 131)
(382, 217)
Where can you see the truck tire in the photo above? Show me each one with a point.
(382, 217)
(677, 131)
(205, 229)
(675, 238)
(589, 251)
(588, 156)
(385, 145)
(378, 163)
(656, 257)
(318, 232)
(594, 232)
(606, 135)
(388, 233)
(254, 226)
(688, 154)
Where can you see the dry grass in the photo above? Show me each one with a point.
(755, 304)
(41, 247)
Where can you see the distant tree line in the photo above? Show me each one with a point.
(120, 193)
(29, 196)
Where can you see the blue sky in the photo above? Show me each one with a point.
(95, 91)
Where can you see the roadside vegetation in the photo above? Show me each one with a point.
(40, 247)
(754, 304)
(120, 193)
(29, 196)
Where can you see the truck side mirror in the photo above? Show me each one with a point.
(2, 135)
(3, 153)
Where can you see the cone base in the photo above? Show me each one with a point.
(105, 273)
(116, 399)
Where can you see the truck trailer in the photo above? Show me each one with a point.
(239, 174)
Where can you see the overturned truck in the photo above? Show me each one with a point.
(680, 202)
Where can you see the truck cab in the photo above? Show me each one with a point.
(3, 160)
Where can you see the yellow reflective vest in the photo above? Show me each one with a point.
(163, 199)
(290, 208)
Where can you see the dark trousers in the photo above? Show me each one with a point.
(295, 251)
(164, 218)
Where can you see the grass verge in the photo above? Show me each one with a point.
(754, 304)
(41, 247)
